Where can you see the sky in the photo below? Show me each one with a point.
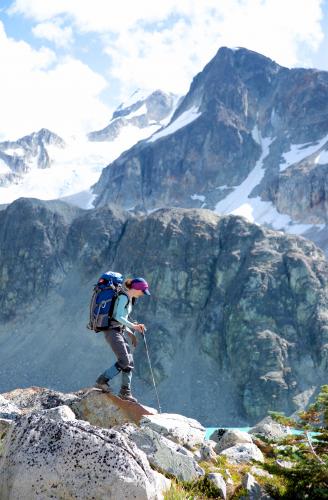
(68, 64)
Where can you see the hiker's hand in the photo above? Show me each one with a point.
(134, 340)
(139, 327)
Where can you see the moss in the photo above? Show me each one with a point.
(176, 492)
(222, 465)
(199, 489)
(240, 493)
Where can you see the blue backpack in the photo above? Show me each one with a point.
(103, 299)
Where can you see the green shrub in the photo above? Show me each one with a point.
(307, 479)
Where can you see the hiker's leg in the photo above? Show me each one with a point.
(121, 350)
(125, 392)
(126, 377)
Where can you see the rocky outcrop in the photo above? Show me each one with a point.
(163, 453)
(44, 458)
(237, 320)
(34, 399)
(302, 189)
(185, 431)
(107, 410)
(32, 234)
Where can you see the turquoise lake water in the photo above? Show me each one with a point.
(209, 430)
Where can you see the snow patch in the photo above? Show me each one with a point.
(239, 196)
(199, 197)
(184, 119)
(138, 95)
(254, 209)
(256, 135)
(264, 212)
(322, 158)
(140, 111)
(298, 152)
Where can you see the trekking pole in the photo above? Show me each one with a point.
(151, 371)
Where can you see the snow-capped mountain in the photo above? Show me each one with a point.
(31, 151)
(144, 110)
(43, 165)
(249, 138)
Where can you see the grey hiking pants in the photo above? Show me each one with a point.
(121, 348)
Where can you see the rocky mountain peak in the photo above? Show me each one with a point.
(142, 110)
(235, 142)
(230, 80)
(20, 156)
(45, 136)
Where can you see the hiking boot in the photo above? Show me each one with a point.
(102, 383)
(125, 393)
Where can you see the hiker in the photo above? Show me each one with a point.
(115, 336)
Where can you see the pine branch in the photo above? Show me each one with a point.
(312, 449)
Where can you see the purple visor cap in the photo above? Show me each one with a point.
(140, 284)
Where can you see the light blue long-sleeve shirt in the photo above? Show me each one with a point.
(122, 309)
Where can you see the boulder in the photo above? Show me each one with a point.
(182, 430)
(243, 453)
(8, 410)
(38, 398)
(206, 451)
(58, 413)
(269, 429)
(107, 410)
(162, 483)
(44, 458)
(231, 437)
(254, 490)
(217, 434)
(219, 483)
(259, 472)
(163, 453)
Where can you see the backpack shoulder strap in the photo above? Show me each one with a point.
(121, 292)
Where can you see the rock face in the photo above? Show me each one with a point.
(250, 138)
(163, 453)
(44, 458)
(29, 151)
(143, 110)
(237, 321)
